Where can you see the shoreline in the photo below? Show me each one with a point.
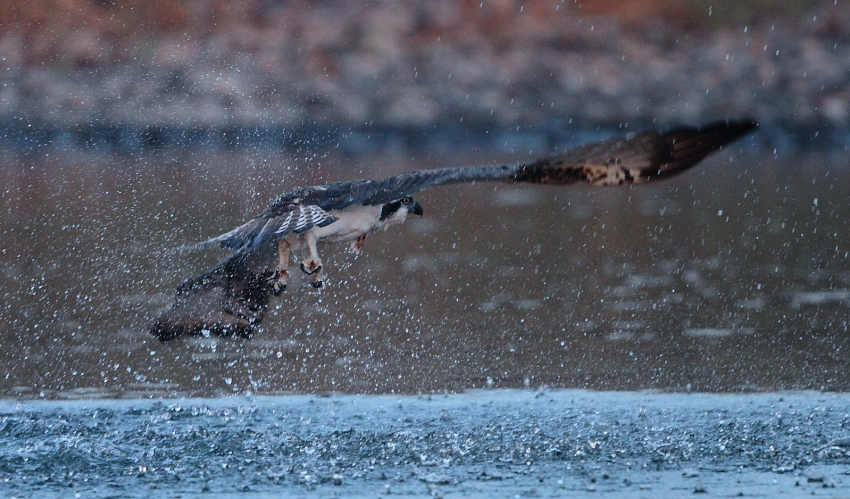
(129, 139)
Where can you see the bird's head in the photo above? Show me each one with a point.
(395, 212)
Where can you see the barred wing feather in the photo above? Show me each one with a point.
(298, 219)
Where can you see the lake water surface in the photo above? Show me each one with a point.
(733, 276)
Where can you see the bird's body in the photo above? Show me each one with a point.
(349, 211)
(352, 223)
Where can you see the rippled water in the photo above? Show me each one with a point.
(734, 276)
(487, 443)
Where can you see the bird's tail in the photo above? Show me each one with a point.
(646, 157)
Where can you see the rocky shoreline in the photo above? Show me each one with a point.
(398, 74)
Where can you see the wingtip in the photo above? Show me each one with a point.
(747, 124)
(688, 146)
(727, 131)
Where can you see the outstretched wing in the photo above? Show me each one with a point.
(625, 161)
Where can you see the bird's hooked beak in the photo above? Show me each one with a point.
(416, 209)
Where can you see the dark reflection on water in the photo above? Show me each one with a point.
(734, 276)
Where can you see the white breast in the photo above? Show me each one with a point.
(352, 222)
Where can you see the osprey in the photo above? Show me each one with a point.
(231, 297)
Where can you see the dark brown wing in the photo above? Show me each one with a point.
(623, 161)
(229, 299)
(645, 157)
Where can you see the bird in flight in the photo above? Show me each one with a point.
(231, 298)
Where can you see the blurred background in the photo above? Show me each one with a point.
(129, 129)
(444, 73)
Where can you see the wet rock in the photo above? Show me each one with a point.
(435, 478)
(690, 473)
(814, 477)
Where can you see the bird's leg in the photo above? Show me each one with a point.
(279, 278)
(357, 244)
(313, 265)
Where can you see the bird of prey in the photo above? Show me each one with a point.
(230, 298)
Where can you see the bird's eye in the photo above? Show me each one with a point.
(406, 201)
